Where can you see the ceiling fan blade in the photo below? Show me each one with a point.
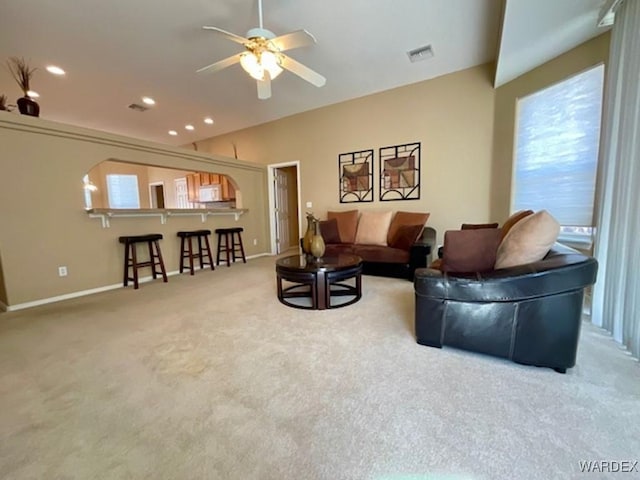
(303, 72)
(264, 87)
(231, 36)
(215, 67)
(288, 41)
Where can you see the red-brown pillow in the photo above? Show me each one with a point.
(347, 224)
(406, 236)
(405, 218)
(329, 231)
(470, 250)
(476, 226)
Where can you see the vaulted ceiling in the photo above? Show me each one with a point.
(115, 52)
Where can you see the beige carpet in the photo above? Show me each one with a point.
(210, 377)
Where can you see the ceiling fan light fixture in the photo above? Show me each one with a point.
(271, 63)
(251, 65)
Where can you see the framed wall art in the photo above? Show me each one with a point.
(400, 172)
(356, 176)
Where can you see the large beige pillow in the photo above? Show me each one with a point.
(373, 228)
(528, 241)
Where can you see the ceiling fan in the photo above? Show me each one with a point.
(263, 58)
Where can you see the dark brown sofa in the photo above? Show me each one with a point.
(407, 242)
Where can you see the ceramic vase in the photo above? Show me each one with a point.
(306, 240)
(28, 106)
(317, 242)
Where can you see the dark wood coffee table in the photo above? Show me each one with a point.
(320, 280)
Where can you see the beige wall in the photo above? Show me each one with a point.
(452, 116)
(584, 56)
(44, 224)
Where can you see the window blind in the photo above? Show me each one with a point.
(557, 140)
(123, 191)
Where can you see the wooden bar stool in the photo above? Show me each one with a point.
(131, 257)
(203, 252)
(232, 244)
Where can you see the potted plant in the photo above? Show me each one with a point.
(22, 73)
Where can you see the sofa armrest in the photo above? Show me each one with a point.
(562, 270)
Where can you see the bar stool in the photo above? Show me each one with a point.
(232, 244)
(204, 250)
(131, 258)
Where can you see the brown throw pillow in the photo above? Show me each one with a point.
(347, 224)
(528, 241)
(476, 226)
(512, 220)
(329, 231)
(406, 236)
(405, 218)
(470, 250)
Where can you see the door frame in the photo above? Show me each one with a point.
(271, 168)
(151, 193)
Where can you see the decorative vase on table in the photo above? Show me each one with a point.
(317, 242)
(306, 240)
(28, 106)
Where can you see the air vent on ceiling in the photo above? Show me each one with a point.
(420, 53)
(138, 107)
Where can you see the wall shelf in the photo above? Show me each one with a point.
(106, 214)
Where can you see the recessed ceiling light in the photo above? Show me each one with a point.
(173, 132)
(55, 70)
(208, 121)
(33, 94)
(189, 127)
(148, 100)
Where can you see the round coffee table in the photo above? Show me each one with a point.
(319, 280)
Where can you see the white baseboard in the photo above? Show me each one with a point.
(82, 293)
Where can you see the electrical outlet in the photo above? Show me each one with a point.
(255, 241)
(309, 205)
(62, 271)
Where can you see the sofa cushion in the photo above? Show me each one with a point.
(347, 224)
(471, 250)
(373, 228)
(476, 226)
(329, 231)
(405, 218)
(528, 241)
(335, 249)
(378, 253)
(406, 236)
(513, 219)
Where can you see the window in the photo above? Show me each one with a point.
(123, 191)
(557, 140)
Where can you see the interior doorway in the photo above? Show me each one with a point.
(156, 195)
(284, 206)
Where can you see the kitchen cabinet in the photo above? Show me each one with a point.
(197, 180)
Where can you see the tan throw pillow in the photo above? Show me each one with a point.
(471, 250)
(513, 219)
(405, 218)
(373, 228)
(347, 224)
(528, 241)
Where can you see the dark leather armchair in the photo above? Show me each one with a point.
(530, 314)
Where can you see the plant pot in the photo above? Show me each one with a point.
(28, 106)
